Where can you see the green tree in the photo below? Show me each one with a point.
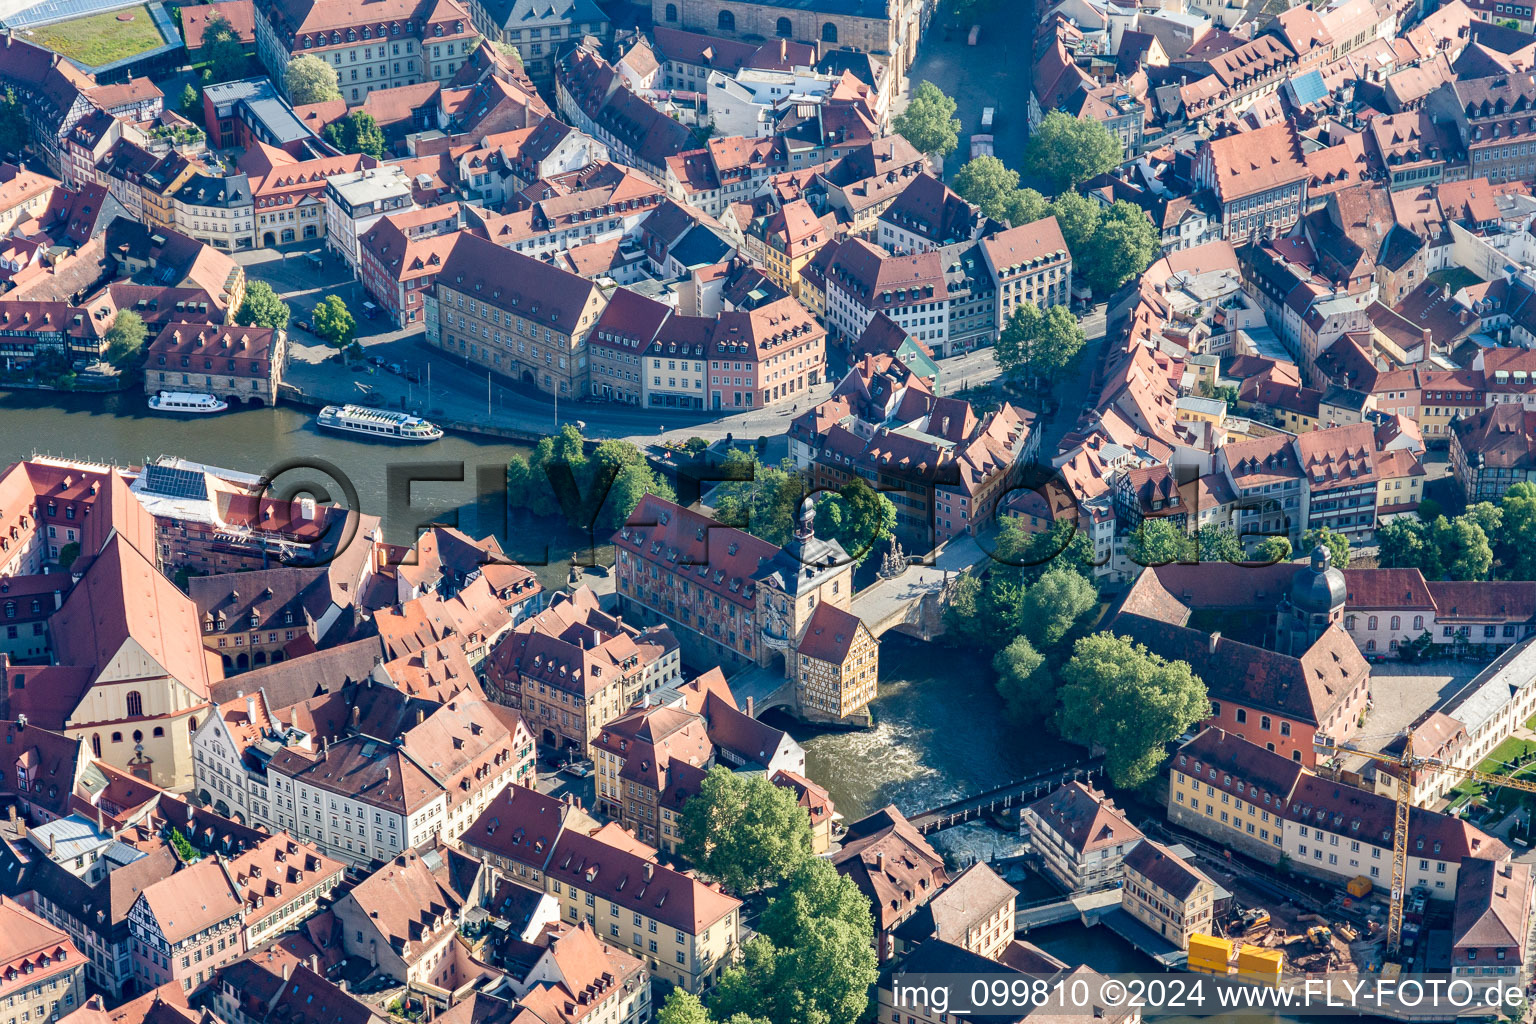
(14, 131)
(1025, 206)
(68, 553)
(1117, 695)
(1044, 343)
(1023, 680)
(763, 500)
(1517, 533)
(1160, 541)
(1461, 548)
(222, 51)
(596, 492)
(1273, 549)
(1336, 543)
(1220, 544)
(191, 102)
(1124, 244)
(1488, 516)
(262, 308)
(311, 80)
(1067, 150)
(125, 338)
(744, 830)
(858, 517)
(814, 890)
(358, 132)
(610, 504)
(682, 1007)
(1054, 604)
(1079, 218)
(1401, 544)
(334, 321)
(984, 610)
(988, 183)
(530, 478)
(824, 977)
(929, 121)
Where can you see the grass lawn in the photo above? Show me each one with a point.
(99, 39)
(1502, 754)
(1456, 277)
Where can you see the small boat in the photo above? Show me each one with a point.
(382, 423)
(194, 403)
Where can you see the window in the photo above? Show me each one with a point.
(726, 22)
(1264, 722)
(829, 33)
(671, 12)
(784, 30)
(135, 704)
(1241, 714)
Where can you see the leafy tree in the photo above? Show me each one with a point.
(358, 132)
(68, 553)
(1488, 516)
(1401, 543)
(1461, 548)
(763, 500)
(334, 321)
(988, 183)
(858, 517)
(1023, 680)
(125, 338)
(1044, 343)
(191, 101)
(1025, 206)
(1079, 218)
(1054, 604)
(597, 492)
(682, 1007)
(1220, 544)
(1160, 541)
(311, 80)
(14, 131)
(824, 977)
(744, 830)
(1273, 549)
(262, 308)
(1517, 532)
(223, 51)
(1067, 150)
(814, 890)
(1117, 695)
(1336, 543)
(929, 121)
(1124, 245)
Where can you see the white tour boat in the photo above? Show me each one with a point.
(186, 402)
(392, 426)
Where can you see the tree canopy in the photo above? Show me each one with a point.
(763, 500)
(1067, 150)
(1023, 679)
(596, 492)
(1054, 604)
(358, 132)
(929, 121)
(1336, 543)
(1044, 343)
(334, 322)
(311, 80)
(262, 308)
(1160, 541)
(14, 131)
(858, 517)
(125, 339)
(744, 830)
(988, 183)
(222, 50)
(1117, 695)
(1273, 549)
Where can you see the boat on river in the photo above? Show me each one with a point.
(380, 423)
(186, 403)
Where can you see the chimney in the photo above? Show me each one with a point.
(650, 869)
(250, 707)
(286, 969)
(751, 703)
(880, 860)
(1215, 639)
(314, 962)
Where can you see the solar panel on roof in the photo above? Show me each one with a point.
(175, 483)
(1308, 88)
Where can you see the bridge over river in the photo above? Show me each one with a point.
(1003, 798)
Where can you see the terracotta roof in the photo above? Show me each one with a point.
(830, 634)
(1086, 819)
(1247, 163)
(198, 897)
(892, 864)
(1493, 905)
(31, 950)
(239, 13)
(638, 884)
(1165, 869)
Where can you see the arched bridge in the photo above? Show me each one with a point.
(914, 601)
(1015, 794)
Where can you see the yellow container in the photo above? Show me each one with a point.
(1209, 949)
(1260, 961)
(1359, 886)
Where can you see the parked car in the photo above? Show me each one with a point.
(580, 769)
(395, 368)
(304, 326)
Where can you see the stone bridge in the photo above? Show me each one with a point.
(914, 601)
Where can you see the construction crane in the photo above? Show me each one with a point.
(1410, 762)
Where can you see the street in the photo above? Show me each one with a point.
(450, 390)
